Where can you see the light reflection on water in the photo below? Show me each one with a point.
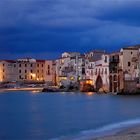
(36, 115)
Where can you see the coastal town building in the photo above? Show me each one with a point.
(129, 62)
(114, 72)
(94, 55)
(124, 70)
(98, 72)
(70, 68)
(8, 70)
(26, 70)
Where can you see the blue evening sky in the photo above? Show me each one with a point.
(46, 28)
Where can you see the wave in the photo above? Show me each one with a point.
(106, 130)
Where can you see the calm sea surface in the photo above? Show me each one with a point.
(31, 115)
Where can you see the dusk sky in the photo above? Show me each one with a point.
(45, 28)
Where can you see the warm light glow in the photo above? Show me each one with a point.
(1, 79)
(41, 79)
(62, 61)
(63, 78)
(71, 78)
(79, 78)
(90, 93)
(33, 75)
(89, 82)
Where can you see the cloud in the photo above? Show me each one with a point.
(54, 26)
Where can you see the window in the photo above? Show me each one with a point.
(102, 70)
(105, 59)
(99, 71)
(31, 65)
(19, 65)
(38, 71)
(31, 71)
(48, 72)
(48, 66)
(96, 72)
(131, 52)
(25, 65)
(20, 77)
(25, 71)
(14, 65)
(83, 70)
(3, 64)
(105, 70)
(92, 72)
(19, 71)
(37, 65)
(25, 76)
(31, 77)
(3, 70)
(129, 64)
(42, 65)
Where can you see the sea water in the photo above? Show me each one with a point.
(36, 115)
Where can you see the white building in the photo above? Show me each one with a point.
(70, 68)
(98, 72)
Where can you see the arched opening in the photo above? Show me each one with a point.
(99, 82)
(115, 83)
(110, 86)
(119, 83)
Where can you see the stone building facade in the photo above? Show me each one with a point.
(70, 68)
(26, 70)
(98, 72)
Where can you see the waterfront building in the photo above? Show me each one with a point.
(98, 72)
(124, 69)
(49, 72)
(8, 70)
(115, 73)
(70, 68)
(129, 62)
(26, 70)
(129, 65)
(94, 55)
